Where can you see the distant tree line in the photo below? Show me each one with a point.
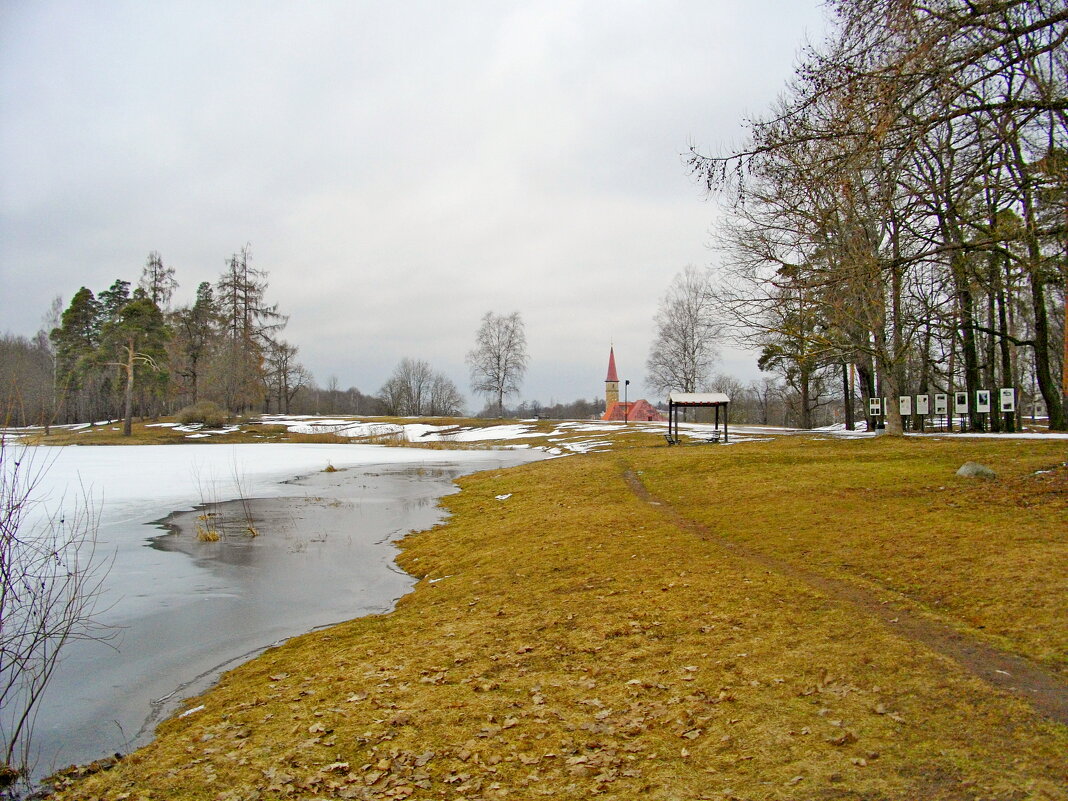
(900, 214)
(122, 353)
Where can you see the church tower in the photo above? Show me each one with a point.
(611, 383)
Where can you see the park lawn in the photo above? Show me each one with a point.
(991, 557)
(569, 641)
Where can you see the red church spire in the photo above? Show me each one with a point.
(612, 365)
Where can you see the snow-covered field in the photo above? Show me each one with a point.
(574, 436)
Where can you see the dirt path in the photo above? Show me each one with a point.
(1047, 693)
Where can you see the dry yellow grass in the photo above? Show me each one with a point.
(572, 642)
(252, 431)
(990, 556)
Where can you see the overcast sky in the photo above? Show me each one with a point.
(399, 168)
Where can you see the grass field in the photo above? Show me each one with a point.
(576, 640)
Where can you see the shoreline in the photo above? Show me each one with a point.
(325, 555)
(571, 638)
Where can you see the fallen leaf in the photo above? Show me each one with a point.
(845, 738)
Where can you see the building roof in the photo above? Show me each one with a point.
(698, 398)
(639, 410)
(612, 366)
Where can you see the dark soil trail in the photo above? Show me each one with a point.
(1047, 693)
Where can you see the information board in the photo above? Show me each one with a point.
(904, 404)
(982, 401)
(875, 407)
(960, 403)
(942, 405)
(1008, 399)
(923, 404)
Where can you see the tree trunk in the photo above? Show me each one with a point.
(847, 396)
(966, 312)
(991, 354)
(1064, 367)
(892, 415)
(804, 380)
(867, 388)
(127, 422)
(1051, 394)
(1007, 378)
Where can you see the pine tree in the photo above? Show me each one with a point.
(135, 338)
(75, 341)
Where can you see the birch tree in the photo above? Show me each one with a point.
(499, 359)
(684, 349)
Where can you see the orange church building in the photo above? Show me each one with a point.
(632, 411)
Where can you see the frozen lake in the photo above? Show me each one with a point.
(186, 610)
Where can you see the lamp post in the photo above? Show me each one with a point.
(626, 408)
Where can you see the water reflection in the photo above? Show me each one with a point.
(323, 554)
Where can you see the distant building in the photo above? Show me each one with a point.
(632, 411)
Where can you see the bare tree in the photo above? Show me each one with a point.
(684, 350)
(284, 376)
(408, 389)
(445, 398)
(916, 165)
(50, 585)
(498, 361)
(158, 281)
(249, 323)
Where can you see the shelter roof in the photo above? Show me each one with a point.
(699, 398)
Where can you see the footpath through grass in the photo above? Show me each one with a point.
(569, 641)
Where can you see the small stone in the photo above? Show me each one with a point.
(975, 470)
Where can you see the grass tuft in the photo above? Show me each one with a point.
(207, 533)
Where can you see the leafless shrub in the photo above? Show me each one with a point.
(51, 580)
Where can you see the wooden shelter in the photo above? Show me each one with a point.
(695, 400)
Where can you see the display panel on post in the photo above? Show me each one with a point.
(1008, 399)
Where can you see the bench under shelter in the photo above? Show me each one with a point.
(696, 400)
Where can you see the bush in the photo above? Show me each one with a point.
(205, 412)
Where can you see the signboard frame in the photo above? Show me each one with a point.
(1008, 400)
